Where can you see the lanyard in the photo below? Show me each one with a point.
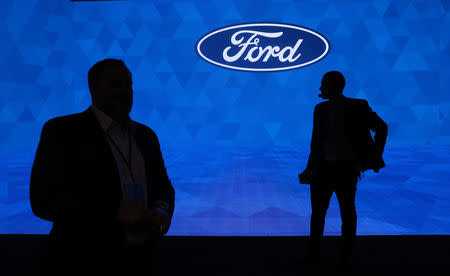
(128, 163)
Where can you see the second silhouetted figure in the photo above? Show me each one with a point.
(342, 148)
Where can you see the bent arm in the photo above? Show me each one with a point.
(377, 125)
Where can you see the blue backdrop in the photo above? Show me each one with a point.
(394, 53)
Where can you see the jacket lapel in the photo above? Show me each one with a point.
(102, 148)
(100, 145)
(144, 147)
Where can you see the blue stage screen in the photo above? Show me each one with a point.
(234, 141)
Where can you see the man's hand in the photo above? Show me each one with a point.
(157, 220)
(130, 212)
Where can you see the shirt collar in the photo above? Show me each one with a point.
(104, 119)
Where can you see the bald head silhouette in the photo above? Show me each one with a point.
(333, 83)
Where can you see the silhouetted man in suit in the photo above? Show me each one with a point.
(100, 178)
(341, 149)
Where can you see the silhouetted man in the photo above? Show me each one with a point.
(100, 178)
(341, 149)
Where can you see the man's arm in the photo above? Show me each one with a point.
(377, 125)
(54, 192)
(163, 189)
(42, 179)
(306, 176)
(314, 140)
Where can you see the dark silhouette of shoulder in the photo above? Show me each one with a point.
(68, 124)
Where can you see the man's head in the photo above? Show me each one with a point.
(110, 85)
(333, 84)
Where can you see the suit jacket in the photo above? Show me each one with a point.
(75, 182)
(359, 120)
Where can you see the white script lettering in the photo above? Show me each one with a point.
(256, 52)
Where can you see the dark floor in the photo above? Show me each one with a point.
(188, 255)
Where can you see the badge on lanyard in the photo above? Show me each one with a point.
(135, 191)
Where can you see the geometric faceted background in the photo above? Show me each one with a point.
(395, 54)
(252, 130)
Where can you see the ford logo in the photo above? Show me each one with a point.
(262, 47)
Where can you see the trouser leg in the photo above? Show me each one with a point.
(345, 193)
(321, 193)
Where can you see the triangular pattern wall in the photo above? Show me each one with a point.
(394, 53)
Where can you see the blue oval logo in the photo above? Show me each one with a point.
(262, 47)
